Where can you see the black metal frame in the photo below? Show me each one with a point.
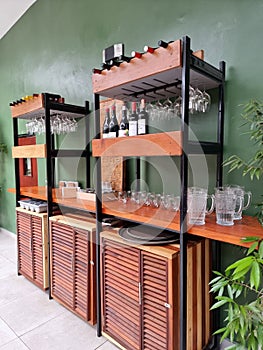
(189, 62)
(52, 153)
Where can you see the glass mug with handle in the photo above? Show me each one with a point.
(240, 193)
(197, 205)
(227, 204)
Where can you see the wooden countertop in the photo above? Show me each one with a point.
(247, 227)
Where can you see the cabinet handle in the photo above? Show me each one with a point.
(140, 293)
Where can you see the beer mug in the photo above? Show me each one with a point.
(240, 193)
(197, 205)
(227, 204)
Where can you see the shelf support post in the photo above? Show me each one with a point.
(87, 142)
(184, 184)
(98, 211)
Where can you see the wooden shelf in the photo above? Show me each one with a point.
(35, 107)
(29, 151)
(247, 227)
(40, 192)
(36, 104)
(151, 71)
(163, 144)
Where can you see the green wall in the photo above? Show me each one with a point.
(55, 45)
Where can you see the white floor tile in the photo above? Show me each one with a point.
(7, 268)
(107, 346)
(66, 332)
(14, 287)
(6, 333)
(27, 313)
(16, 344)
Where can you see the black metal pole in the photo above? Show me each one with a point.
(98, 212)
(16, 161)
(50, 176)
(184, 184)
(87, 142)
(216, 247)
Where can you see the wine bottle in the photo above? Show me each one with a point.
(96, 71)
(164, 44)
(113, 125)
(123, 58)
(136, 54)
(124, 123)
(149, 49)
(105, 129)
(143, 119)
(133, 121)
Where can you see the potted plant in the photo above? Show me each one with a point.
(239, 289)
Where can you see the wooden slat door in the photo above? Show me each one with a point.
(81, 273)
(121, 294)
(37, 249)
(25, 244)
(62, 263)
(154, 302)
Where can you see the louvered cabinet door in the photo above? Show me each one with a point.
(154, 302)
(25, 244)
(62, 263)
(37, 248)
(81, 275)
(121, 294)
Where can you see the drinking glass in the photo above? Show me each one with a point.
(197, 205)
(240, 192)
(226, 206)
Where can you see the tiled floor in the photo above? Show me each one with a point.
(29, 320)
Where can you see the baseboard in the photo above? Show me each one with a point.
(7, 233)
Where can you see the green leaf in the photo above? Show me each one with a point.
(242, 262)
(250, 239)
(218, 304)
(221, 330)
(230, 292)
(260, 250)
(255, 275)
(252, 248)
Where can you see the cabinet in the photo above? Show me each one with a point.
(166, 72)
(41, 107)
(72, 265)
(32, 242)
(140, 289)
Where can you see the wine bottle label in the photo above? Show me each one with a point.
(141, 126)
(112, 134)
(133, 128)
(105, 136)
(123, 133)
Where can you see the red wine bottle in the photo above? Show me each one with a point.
(136, 54)
(143, 119)
(113, 125)
(164, 44)
(105, 130)
(96, 71)
(133, 121)
(149, 49)
(124, 123)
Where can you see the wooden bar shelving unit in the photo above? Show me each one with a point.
(44, 106)
(166, 72)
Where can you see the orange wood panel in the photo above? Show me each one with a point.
(163, 144)
(36, 103)
(29, 151)
(149, 64)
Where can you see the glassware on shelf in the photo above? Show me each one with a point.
(59, 124)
